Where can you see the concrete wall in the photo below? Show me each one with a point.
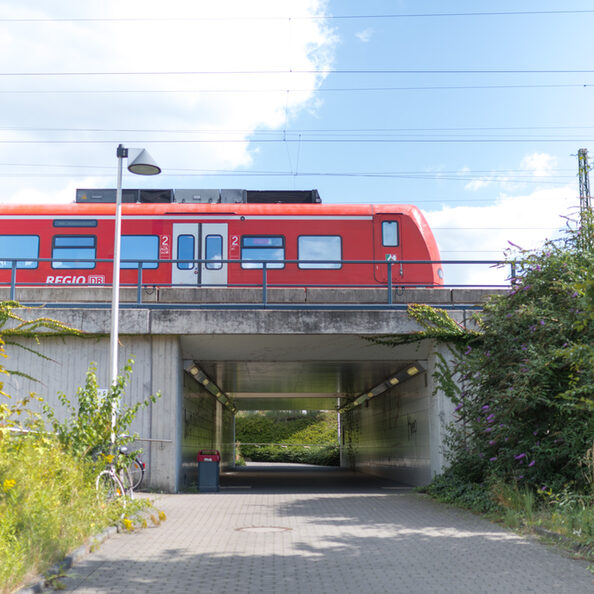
(399, 434)
(157, 367)
(206, 424)
(389, 434)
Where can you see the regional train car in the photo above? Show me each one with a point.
(219, 244)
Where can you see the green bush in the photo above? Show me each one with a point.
(525, 392)
(276, 436)
(48, 505)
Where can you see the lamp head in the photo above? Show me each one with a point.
(143, 164)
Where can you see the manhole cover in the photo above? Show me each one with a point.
(263, 529)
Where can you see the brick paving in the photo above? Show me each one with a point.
(316, 532)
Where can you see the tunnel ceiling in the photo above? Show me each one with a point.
(295, 372)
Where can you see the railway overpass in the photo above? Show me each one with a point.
(211, 352)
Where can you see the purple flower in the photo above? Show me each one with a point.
(492, 442)
(488, 429)
(486, 407)
(532, 464)
(468, 350)
(542, 322)
(490, 418)
(576, 294)
(493, 459)
(458, 407)
(520, 456)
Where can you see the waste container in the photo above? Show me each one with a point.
(208, 471)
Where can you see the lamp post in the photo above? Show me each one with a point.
(141, 164)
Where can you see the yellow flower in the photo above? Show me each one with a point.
(8, 484)
(128, 524)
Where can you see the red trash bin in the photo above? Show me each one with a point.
(208, 471)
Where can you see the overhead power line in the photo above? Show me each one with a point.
(296, 18)
(87, 91)
(325, 71)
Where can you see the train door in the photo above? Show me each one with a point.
(199, 241)
(387, 247)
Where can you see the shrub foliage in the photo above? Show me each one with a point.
(526, 398)
(286, 437)
(523, 379)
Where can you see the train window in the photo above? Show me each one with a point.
(75, 223)
(19, 246)
(267, 248)
(186, 250)
(390, 233)
(321, 248)
(139, 248)
(214, 251)
(74, 247)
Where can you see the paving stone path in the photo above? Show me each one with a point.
(317, 532)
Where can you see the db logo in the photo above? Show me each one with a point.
(95, 279)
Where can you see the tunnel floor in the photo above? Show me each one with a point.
(301, 478)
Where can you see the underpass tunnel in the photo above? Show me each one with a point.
(390, 422)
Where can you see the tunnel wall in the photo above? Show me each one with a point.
(388, 435)
(206, 424)
(400, 434)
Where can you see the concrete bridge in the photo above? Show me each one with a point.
(211, 352)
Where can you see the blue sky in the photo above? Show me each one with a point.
(476, 118)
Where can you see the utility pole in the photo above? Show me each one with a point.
(584, 168)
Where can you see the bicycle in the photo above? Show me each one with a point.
(136, 469)
(115, 480)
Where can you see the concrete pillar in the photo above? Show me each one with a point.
(441, 411)
(166, 377)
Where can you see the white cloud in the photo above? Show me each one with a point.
(539, 164)
(485, 232)
(365, 35)
(263, 35)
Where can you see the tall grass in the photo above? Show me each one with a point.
(48, 506)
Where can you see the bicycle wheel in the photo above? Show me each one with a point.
(136, 470)
(109, 485)
(126, 480)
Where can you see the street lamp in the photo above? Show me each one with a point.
(141, 164)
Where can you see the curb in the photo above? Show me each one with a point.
(69, 561)
(563, 540)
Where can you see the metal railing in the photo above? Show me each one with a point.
(265, 266)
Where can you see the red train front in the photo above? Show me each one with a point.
(219, 244)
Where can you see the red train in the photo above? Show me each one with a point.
(319, 238)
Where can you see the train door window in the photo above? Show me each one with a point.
(139, 248)
(265, 248)
(213, 251)
(322, 249)
(186, 250)
(390, 233)
(74, 247)
(24, 247)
